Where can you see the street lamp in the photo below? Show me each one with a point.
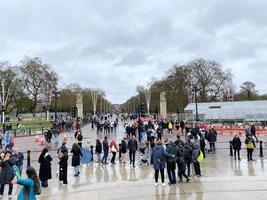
(56, 95)
(195, 91)
(3, 103)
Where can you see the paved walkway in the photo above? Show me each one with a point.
(223, 178)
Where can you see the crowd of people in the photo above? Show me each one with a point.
(152, 141)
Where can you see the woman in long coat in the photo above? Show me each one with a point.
(75, 162)
(45, 167)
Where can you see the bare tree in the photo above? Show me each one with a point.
(209, 78)
(248, 89)
(37, 78)
(10, 88)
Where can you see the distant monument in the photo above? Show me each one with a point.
(79, 105)
(163, 104)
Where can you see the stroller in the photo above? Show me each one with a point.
(144, 157)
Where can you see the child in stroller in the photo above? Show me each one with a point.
(144, 158)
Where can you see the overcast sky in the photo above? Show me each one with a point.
(119, 44)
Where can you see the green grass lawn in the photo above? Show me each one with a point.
(29, 123)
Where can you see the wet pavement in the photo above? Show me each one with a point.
(222, 176)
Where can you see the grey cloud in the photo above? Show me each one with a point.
(116, 45)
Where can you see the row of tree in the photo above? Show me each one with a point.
(29, 87)
(205, 78)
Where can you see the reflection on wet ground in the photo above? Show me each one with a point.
(223, 178)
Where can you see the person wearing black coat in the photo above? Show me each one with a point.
(98, 150)
(181, 166)
(6, 173)
(63, 163)
(133, 146)
(253, 131)
(188, 153)
(212, 138)
(123, 150)
(45, 167)
(75, 162)
(236, 146)
(202, 144)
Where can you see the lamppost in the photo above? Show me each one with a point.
(3, 103)
(195, 91)
(56, 94)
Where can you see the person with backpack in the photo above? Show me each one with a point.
(105, 149)
(63, 163)
(45, 167)
(98, 150)
(172, 149)
(188, 152)
(250, 144)
(237, 146)
(158, 160)
(6, 174)
(30, 186)
(123, 150)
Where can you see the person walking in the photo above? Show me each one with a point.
(98, 150)
(250, 144)
(123, 150)
(105, 149)
(45, 167)
(63, 163)
(114, 149)
(75, 162)
(30, 186)
(237, 146)
(132, 146)
(6, 173)
(253, 132)
(158, 160)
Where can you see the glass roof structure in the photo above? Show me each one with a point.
(230, 111)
